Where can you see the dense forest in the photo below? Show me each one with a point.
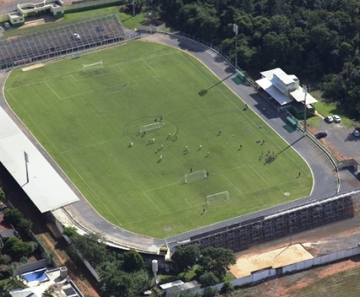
(317, 40)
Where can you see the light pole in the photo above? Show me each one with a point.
(133, 5)
(26, 157)
(236, 30)
(305, 90)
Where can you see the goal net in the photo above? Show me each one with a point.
(195, 176)
(149, 127)
(217, 198)
(93, 67)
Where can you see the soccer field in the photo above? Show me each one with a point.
(89, 121)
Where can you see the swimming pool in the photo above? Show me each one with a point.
(38, 275)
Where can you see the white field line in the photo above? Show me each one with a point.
(259, 175)
(87, 146)
(24, 86)
(52, 90)
(244, 113)
(167, 213)
(240, 192)
(153, 202)
(157, 74)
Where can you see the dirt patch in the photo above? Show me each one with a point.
(24, 69)
(54, 230)
(287, 194)
(275, 258)
(33, 24)
(168, 228)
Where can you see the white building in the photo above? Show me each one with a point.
(283, 88)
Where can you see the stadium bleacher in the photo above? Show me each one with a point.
(48, 44)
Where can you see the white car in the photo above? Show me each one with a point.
(76, 36)
(329, 119)
(7, 25)
(356, 133)
(336, 118)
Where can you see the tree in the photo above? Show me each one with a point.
(227, 288)
(2, 195)
(133, 261)
(91, 246)
(24, 226)
(210, 292)
(18, 248)
(69, 231)
(217, 260)
(208, 279)
(186, 257)
(12, 216)
(117, 283)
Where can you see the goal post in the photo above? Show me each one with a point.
(149, 127)
(217, 198)
(93, 67)
(195, 176)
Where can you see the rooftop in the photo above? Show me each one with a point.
(43, 279)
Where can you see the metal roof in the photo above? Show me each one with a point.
(274, 92)
(47, 190)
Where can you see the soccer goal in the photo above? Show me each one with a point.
(149, 127)
(195, 176)
(217, 198)
(93, 67)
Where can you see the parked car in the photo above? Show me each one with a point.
(7, 25)
(321, 135)
(76, 36)
(329, 119)
(356, 133)
(336, 118)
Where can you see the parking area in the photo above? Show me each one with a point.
(340, 140)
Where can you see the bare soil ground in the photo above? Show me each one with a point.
(32, 67)
(323, 240)
(245, 264)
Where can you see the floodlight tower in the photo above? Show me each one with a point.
(133, 5)
(26, 157)
(305, 91)
(236, 30)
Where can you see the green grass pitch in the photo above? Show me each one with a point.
(86, 121)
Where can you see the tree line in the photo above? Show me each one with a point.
(317, 40)
(127, 274)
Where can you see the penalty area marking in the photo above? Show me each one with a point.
(32, 67)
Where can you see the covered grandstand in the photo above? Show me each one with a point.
(53, 43)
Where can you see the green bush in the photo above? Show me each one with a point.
(69, 231)
(227, 288)
(5, 259)
(210, 292)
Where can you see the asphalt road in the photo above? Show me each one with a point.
(324, 175)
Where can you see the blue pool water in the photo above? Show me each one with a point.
(38, 275)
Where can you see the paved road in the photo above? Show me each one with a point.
(323, 172)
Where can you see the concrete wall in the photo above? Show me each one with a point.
(271, 272)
